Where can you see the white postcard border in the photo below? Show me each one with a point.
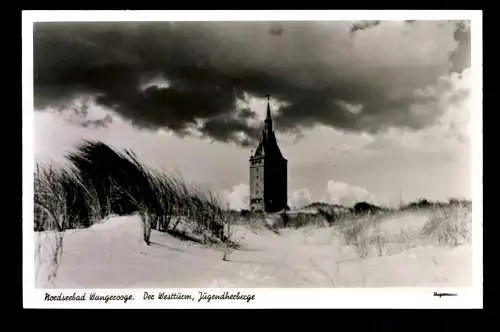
(264, 297)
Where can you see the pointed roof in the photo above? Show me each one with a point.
(268, 112)
(268, 143)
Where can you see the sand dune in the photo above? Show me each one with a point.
(112, 254)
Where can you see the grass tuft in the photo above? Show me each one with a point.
(102, 181)
(446, 225)
(449, 226)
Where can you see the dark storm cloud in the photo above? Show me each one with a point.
(276, 30)
(230, 130)
(210, 66)
(98, 123)
(246, 113)
(362, 25)
(79, 115)
(460, 58)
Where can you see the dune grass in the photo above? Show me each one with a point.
(369, 233)
(448, 225)
(102, 181)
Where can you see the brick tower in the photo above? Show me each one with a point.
(268, 172)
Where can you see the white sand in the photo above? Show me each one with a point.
(112, 254)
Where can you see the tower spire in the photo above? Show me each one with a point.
(268, 113)
(268, 122)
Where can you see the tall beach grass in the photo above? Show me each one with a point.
(445, 225)
(102, 181)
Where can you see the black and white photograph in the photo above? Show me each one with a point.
(252, 154)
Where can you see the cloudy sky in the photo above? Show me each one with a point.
(371, 110)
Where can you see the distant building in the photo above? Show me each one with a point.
(268, 172)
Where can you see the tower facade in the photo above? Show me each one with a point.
(268, 172)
